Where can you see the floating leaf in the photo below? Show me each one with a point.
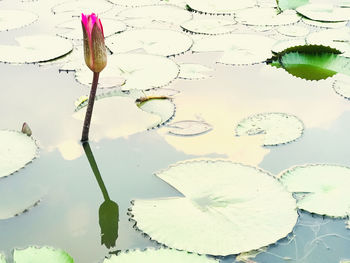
(11, 19)
(161, 255)
(324, 24)
(76, 7)
(189, 128)
(134, 3)
(266, 17)
(41, 255)
(193, 71)
(342, 86)
(322, 189)
(232, 207)
(210, 26)
(293, 31)
(153, 41)
(290, 4)
(237, 48)
(219, 7)
(2, 258)
(17, 150)
(278, 128)
(282, 45)
(324, 12)
(31, 49)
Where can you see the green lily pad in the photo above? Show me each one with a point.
(324, 12)
(193, 71)
(320, 188)
(218, 7)
(152, 41)
(290, 4)
(11, 19)
(234, 208)
(76, 7)
(41, 255)
(17, 150)
(278, 128)
(324, 24)
(209, 26)
(189, 128)
(293, 31)
(161, 255)
(32, 49)
(342, 86)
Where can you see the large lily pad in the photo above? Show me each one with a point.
(210, 26)
(17, 150)
(152, 41)
(290, 4)
(219, 7)
(293, 31)
(320, 188)
(38, 48)
(342, 86)
(278, 128)
(324, 12)
(134, 3)
(158, 256)
(232, 207)
(193, 71)
(41, 255)
(76, 7)
(11, 19)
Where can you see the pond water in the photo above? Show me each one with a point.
(67, 216)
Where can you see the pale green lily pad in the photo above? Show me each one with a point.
(189, 128)
(324, 12)
(135, 3)
(138, 71)
(266, 17)
(82, 6)
(232, 207)
(237, 48)
(282, 45)
(193, 71)
(41, 255)
(218, 7)
(38, 48)
(324, 24)
(72, 29)
(17, 150)
(278, 128)
(290, 4)
(11, 19)
(152, 41)
(293, 31)
(322, 189)
(161, 255)
(210, 26)
(342, 86)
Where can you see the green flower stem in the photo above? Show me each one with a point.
(88, 115)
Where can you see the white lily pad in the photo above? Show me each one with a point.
(266, 17)
(284, 44)
(72, 29)
(237, 48)
(193, 71)
(232, 207)
(11, 19)
(321, 188)
(138, 71)
(189, 128)
(293, 31)
(41, 255)
(38, 48)
(164, 108)
(152, 41)
(17, 150)
(210, 26)
(324, 12)
(324, 24)
(134, 3)
(278, 128)
(219, 7)
(159, 256)
(76, 7)
(342, 86)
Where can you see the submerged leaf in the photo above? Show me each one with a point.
(11, 19)
(226, 208)
(41, 255)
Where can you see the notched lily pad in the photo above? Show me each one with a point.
(342, 86)
(193, 71)
(218, 7)
(82, 6)
(324, 188)
(278, 128)
(11, 19)
(17, 150)
(209, 26)
(324, 12)
(189, 128)
(41, 255)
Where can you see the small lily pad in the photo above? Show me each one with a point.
(290, 4)
(38, 48)
(17, 150)
(134, 3)
(218, 7)
(41, 255)
(161, 255)
(293, 31)
(193, 71)
(210, 26)
(323, 187)
(11, 19)
(76, 7)
(152, 41)
(324, 12)
(278, 128)
(342, 86)
(189, 128)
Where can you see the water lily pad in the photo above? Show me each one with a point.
(278, 128)
(324, 24)
(237, 48)
(290, 4)
(234, 208)
(189, 128)
(266, 17)
(134, 3)
(76, 7)
(38, 48)
(193, 71)
(210, 26)
(158, 256)
(41, 255)
(282, 45)
(17, 150)
(321, 188)
(293, 31)
(324, 12)
(138, 71)
(152, 41)
(219, 7)
(11, 19)
(2, 258)
(72, 29)
(342, 86)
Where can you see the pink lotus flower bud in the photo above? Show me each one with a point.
(94, 43)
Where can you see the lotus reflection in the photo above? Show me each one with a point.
(109, 210)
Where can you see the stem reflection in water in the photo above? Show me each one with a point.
(109, 210)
